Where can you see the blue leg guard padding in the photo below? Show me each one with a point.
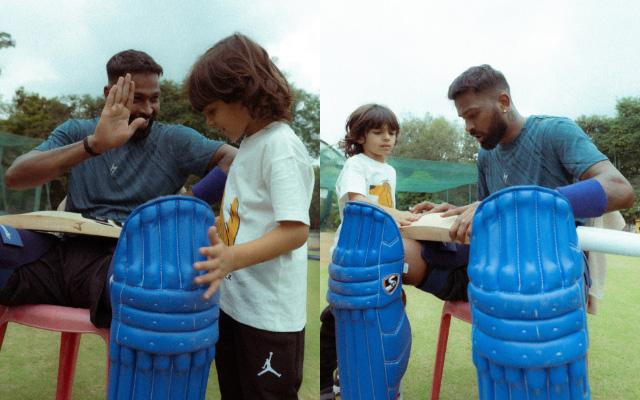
(527, 297)
(163, 334)
(373, 336)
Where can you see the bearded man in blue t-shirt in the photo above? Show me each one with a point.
(115, 163)
(541, 150)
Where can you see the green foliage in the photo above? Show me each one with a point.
(435, 139)
(314, 209)
(176, 109)
(618, 138)
(32, 115)
(306, 120)
(332, 220)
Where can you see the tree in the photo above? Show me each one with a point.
(176, 109)
(32, 115)
(314, 208)
(306, 119)
(6, 41)
(618, 138)
(435, 139)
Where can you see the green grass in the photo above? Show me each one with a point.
(29, 359)
(614, 350)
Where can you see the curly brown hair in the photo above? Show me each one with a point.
(361, 121)
(237, 69)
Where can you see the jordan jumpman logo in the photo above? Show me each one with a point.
(267, 367)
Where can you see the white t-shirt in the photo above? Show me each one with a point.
(368, 177)
(270, 180)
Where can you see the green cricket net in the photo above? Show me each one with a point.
(19, 201)
(413, 176)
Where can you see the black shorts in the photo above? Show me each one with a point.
(257, 364)
(446, 276)
(72, 273)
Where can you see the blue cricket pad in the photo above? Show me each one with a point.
(163, 334)
(373, 336)
(527, 297)
(10, 236)
(587, 198)
(211, 187)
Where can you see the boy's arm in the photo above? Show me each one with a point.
(222, 259)
(402, 218)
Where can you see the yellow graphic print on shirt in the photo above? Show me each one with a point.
(384, 194)
(228, 230)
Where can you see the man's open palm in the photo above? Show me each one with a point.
(113, 129)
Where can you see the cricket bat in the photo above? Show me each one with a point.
(62, 221)
(436, 228)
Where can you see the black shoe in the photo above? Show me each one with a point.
(327, 394)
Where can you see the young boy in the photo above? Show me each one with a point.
(257, 254)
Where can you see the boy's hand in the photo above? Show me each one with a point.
(404, 218)
(430, 207)
(219, 263)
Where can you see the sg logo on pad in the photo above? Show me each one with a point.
(390, 283)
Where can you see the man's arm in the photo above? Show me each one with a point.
(113, 130)
(619, 192)
(36, 168)
(222, 157)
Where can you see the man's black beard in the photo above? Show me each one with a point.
(495, 133)
(141, 133)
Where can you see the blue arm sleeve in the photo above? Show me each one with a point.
(587, 198)
(211, 187)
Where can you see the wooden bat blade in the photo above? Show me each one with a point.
(61, 221)
(434, 227)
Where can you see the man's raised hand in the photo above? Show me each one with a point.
(113, 129)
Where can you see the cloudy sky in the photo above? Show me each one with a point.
(567, 58)
(62, 46)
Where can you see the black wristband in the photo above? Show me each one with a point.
(88, 148)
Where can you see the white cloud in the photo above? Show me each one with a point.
(297, 53)
(75, 38)
(564, 58)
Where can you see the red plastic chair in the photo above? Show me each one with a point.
(460, 310)
(71, 322)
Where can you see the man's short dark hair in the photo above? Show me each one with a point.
(478, 79)
(131, 61)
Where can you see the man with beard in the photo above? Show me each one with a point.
(113, 168)
(540, 150)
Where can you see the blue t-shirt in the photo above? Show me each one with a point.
(549, 152)
(113, 184)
